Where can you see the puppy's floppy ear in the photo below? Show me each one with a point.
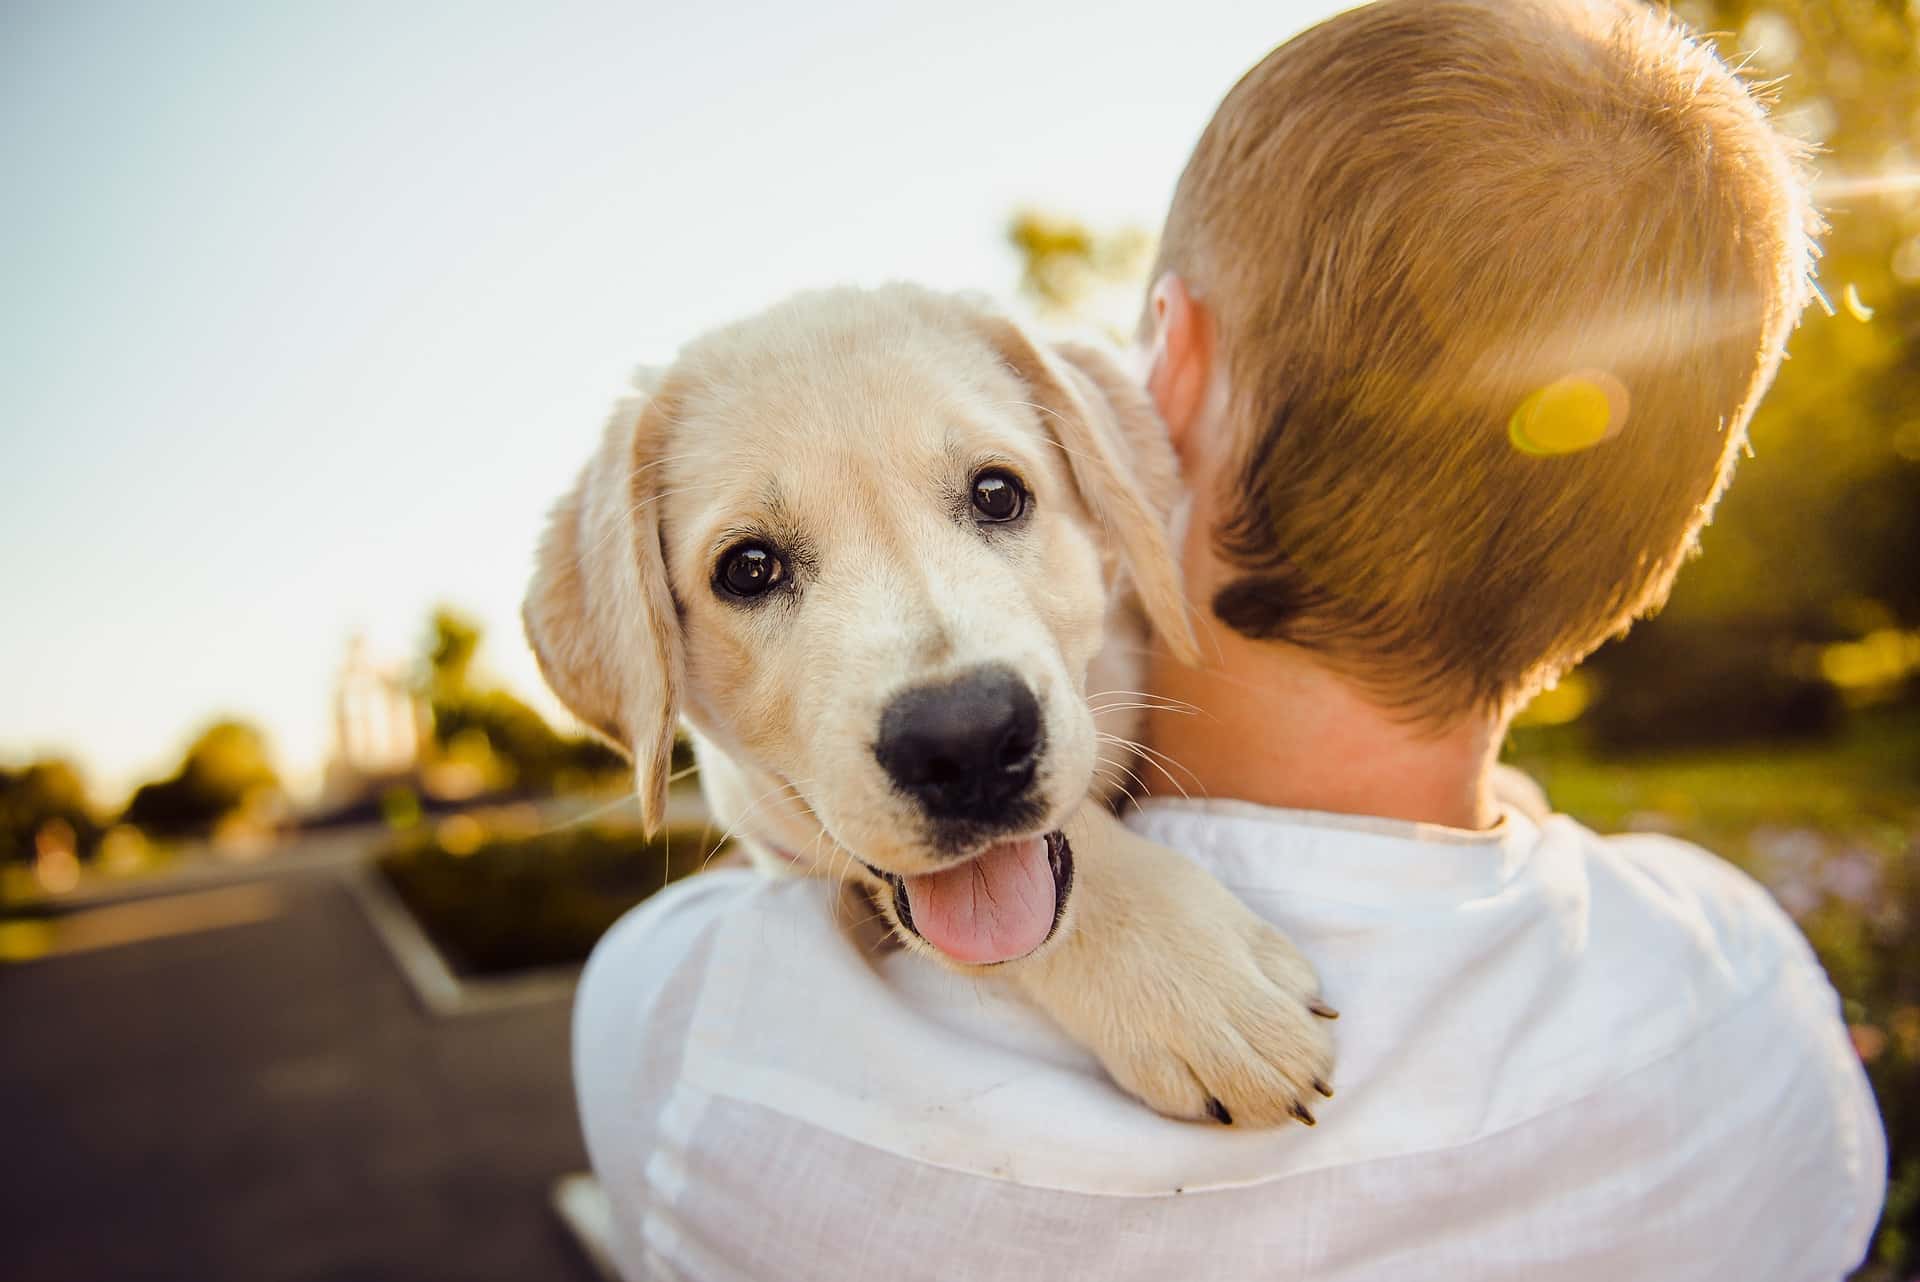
(1121, 460)
(599, 613)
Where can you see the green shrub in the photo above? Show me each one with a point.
(511, 903)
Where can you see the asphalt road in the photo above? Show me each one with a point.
(263, 1100)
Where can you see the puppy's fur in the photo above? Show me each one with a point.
(844, 429)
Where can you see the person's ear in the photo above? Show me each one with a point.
(599, 613)
(1180, 362)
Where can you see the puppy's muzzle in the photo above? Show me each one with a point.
(966, 750)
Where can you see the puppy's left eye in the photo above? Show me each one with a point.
(749, 570)
(998, 496)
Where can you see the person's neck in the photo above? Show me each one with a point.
(1271, 726)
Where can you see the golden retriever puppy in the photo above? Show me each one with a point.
(875, 547)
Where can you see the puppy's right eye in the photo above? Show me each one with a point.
(998, 496)
(750, 570)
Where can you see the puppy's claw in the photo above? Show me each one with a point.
(1321, 1009)
(1323, 1088)
(1300, 1111)
(1218, 1112)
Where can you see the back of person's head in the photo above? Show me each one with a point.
(1497, 284)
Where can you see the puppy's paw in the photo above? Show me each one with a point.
(1235, 1034)
(1191, 1002)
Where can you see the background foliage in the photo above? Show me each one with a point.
(506, 744)
(1807, 588)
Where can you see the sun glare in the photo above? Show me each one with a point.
(1840, 187)
(1569, 414)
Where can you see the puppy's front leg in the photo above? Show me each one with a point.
(1190, 1001)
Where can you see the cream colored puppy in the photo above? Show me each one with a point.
(875, 548)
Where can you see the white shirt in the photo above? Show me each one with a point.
(1559, 1056)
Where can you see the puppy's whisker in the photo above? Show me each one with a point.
(566, 825)
(822, 863)
(1145, 700)
(643, 504)
(1138, 782)
(1090, 461)
(1051, 413)
(734, 827)
(625, 525)
(658, 495)
(873, 916)
(1154, 758)
(1150, 707)
(1177, 786)
(1150, 752)
(663, 460)
(814, 858)
(1071, 452)
(784, 793)
(1158, 699)
(631, 797)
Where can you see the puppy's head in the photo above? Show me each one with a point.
(867, 543)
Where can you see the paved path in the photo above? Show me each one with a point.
(265, 1101)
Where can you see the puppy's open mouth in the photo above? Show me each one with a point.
(1001, 904)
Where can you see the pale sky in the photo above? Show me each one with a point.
(310, 310)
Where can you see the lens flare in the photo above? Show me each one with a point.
(1855, 306)
(1569, 415)
(1838, 187)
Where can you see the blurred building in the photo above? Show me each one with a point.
(379, 721)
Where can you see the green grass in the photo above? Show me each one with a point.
(1866, 784)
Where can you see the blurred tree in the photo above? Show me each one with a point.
(1070, 272)
(226, 769)
(1824, 519)
(1815, 542)
(49, 790)
(453, 640)
(505, 743)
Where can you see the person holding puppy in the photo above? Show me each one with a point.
(1461, 311)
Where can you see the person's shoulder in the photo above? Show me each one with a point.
(1668, 883)
(647, 972)
(650, 977)
(1777, 1084)
(665, 932)
(1719, 963)
(661, 930)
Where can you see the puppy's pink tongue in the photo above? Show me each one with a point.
(990, 909)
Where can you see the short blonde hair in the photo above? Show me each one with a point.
(1408, 221)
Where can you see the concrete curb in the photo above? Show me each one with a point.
(437, 988)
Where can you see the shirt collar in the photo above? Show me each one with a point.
(1359, 858)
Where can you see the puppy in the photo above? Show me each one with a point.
(875, 547)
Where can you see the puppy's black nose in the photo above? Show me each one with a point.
(964, 749)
